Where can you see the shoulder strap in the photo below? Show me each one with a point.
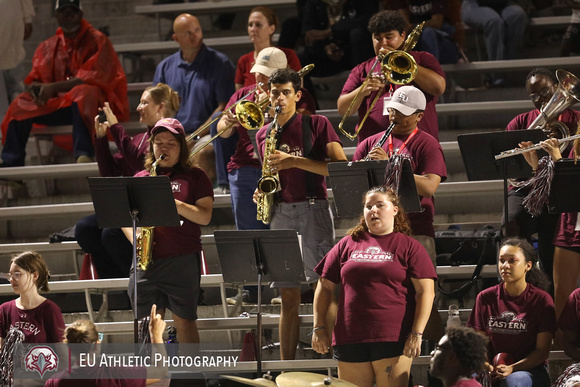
(310, 178)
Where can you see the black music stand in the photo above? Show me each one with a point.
(137, 202)
(272, 255)
(478, 151)
(350, 180)
(565, 189)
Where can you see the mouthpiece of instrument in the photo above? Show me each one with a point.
(278, 109)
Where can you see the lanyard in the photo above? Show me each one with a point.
(413, 133)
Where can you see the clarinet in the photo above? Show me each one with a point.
(382, 140)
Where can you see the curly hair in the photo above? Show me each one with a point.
(470, 348)
(534, 276)
(401, 223)
(31, 261)
(386, 21)
(282, 76)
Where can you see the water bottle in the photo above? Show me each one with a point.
(172, 340)
(453, 319)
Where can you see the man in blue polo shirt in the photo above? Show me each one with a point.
(204, 80)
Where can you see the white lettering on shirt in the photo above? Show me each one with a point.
(508, 323)
(371, 254)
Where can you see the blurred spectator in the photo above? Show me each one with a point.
(73, 73)
(571, 39)
(15, 28)
(503, 25)
(438, 32)
(291, 31)
(262, 24)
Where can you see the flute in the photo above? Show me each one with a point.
(518, 151)
(381, 141)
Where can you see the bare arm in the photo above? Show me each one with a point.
(425, 294)
(427, 184)
(156, 329)
(280, 160)
(535, 358)
(322, 300)
(199, 213)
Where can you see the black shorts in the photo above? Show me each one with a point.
(368, 352)
(170, 283)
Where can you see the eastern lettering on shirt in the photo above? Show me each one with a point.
(508, 323)
(26, 326)
(295, 151)
(421, 9)
(371, 254)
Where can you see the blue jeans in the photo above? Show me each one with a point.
(536, 377)
(243, 183)
(224, 149)
(14, 151)
(503, 31)
(438, 42)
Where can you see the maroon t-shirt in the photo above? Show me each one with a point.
(570, 318)
(378, 119)
(513, 323)
(244, 156)
(426, 157)
(467, 383)
(524, 120)
(131, 155)
(292, 180)
(43, 324)
(377, 302)
(188, 186)
(246, 62)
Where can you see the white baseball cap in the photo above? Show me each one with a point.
(407, 100)
(269, 60)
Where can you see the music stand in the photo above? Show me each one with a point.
(565, 188)
(137, 202)
(478, 151)
(350, 180)
(272, 255)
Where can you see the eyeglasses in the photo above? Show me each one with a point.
(535, 97)
(16, 275)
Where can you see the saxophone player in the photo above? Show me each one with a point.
(301, 204)
(172, 280)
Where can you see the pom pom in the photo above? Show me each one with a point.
(13, 337)
(540, 187)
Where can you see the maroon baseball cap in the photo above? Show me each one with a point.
(170, 124)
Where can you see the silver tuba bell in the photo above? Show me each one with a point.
(566, 95)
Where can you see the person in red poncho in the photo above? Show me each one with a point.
(73, 73)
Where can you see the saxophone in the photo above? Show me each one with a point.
(145, 237)
(269, 183)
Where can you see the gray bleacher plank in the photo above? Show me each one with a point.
(550, 20)
(129, 126)
(513, 65)
(48, 210)
(63, 171)
(459, 108)
(212, 6)
(41, 247)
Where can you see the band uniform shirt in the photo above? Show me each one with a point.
(43, 324)
(426, 157)
(376, 121)
(291, 180)
(570, 318)
(377, 302)
(245, 156)
(187, 186)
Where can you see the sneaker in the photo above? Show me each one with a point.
(84, 159)
(221, 190)
(247, 298)
(276, 301)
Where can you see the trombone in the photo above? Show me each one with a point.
(249, 114)
(400, 68)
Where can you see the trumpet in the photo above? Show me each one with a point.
(249, 114)
(518, 151)
(400, 68)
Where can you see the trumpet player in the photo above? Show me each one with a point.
(541, 84)
(244, 168)
(172, 280)
(406, 111)
(388, 34)
(302, 203)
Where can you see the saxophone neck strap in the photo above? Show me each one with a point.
(310, 178)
